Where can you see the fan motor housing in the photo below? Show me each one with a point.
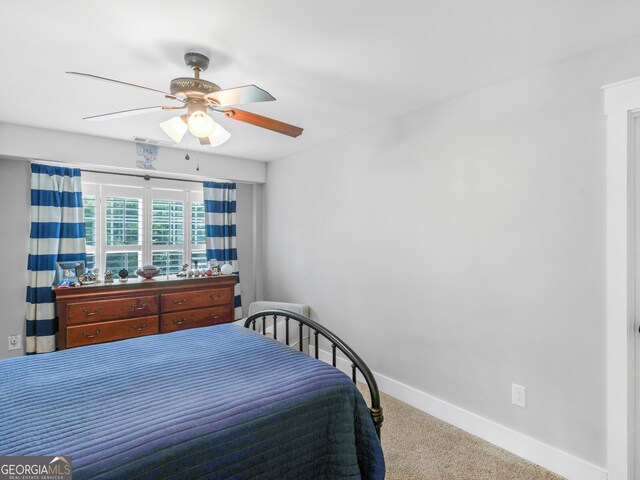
(189, 86)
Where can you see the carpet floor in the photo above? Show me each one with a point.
(419, 446)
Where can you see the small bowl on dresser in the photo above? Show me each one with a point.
(148, 271)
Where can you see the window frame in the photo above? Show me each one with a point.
(102, 186)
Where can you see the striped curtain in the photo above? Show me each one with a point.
(220, 222)
(57, 235)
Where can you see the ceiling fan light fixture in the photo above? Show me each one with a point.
(199, 96)
(175, 128)
(219, 136)
(200, 124)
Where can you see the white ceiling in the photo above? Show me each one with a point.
(334, 66)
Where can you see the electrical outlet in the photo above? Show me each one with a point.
(15, 342)
(519, 395)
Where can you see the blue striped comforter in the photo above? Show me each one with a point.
(217, 402)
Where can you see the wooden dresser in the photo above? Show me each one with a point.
(115, 311)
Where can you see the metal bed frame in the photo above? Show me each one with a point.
(336, 344)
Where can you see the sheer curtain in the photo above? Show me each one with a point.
(57, 235)
(220, 226)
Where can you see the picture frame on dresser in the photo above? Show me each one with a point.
(69, 271)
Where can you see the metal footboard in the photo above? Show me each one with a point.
(357, 364)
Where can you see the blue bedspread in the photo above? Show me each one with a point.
(217, 402)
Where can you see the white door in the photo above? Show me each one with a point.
(622, 287)
(635, 166)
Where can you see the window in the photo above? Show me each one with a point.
(130, 226)
(168, 261)
(197, 223)
(89, 202)
(123, 233)
(199, 256)
(167, 220)
(116, 261)
(198, 247)
(167, 232)
(123, 221)
(91, 261)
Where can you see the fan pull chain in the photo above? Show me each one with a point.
(187, 157)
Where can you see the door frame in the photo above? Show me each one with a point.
(621, 107)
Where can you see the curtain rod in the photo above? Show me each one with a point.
(131, 173)
(147, 177)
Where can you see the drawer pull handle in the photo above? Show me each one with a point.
(88, 313)
(179, 321)
(138, 328)
(138, 306)
(215, 316)
(215, 296)
(88, 335)
(180, 302)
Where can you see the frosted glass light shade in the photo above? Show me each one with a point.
(175, 128)
(219, 136)
(200, 124)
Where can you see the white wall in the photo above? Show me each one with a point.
(15, 188)
(460, 248)
(41, 144)
(249, 237)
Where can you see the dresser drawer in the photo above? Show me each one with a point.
(111, 330)
(194, 318)
(173, 302)
(96, 311)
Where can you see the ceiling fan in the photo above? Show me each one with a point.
(199, 96)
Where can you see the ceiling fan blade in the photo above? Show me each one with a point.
(166, 94)
(123, 113)
(238, 95)
(264, 122)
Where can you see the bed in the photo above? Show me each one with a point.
(214, 402)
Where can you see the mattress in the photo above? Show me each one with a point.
(217, 402)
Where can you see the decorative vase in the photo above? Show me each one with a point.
(226, 269)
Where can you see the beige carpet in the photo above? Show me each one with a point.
(419, 446)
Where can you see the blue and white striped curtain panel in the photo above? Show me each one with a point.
(57, 235)
(220, 224)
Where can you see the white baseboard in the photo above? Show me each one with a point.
(551, 458)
